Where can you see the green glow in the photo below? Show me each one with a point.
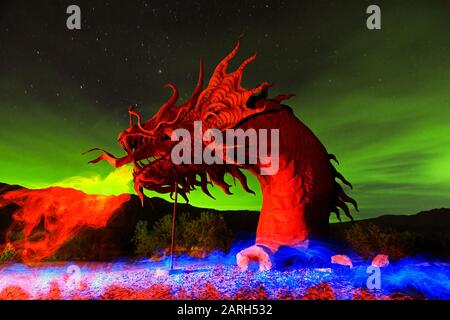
(383, 109)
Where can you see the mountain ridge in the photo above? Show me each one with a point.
(115, 239)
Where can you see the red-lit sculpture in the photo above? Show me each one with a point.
(297, 200)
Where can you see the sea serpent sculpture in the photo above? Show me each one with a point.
(297, 199)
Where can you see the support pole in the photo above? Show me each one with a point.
(174, 219)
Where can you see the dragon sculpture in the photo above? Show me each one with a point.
(297, 200)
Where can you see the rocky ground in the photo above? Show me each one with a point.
(150, 280)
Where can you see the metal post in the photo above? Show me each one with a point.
(174, 219)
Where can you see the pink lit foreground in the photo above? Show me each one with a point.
(217, 277)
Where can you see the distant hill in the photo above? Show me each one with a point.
(115, 240)
(434, 220)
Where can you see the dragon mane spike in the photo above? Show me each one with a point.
(341, 198)
(348, 199)
(345, 181)
(204, 185)
(246, 63)
(217, 178)
(191, 103)
(130, 109)
(281, 97)
(336, 211)
(237, 174)
(344, 197)
(223, 65)
(333, 157)
(339, 176)
(263, 86)
(341, 204)
(198, 89)
(169, 103)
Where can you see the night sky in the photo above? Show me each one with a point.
(378, 100)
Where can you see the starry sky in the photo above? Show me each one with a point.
(379, 100)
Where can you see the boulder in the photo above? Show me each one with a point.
(380, 261)
(342, 260)
(254, 253)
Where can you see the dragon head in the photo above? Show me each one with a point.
(223, 104)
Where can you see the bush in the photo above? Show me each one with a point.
(209, 231)
(369, 240)
(204, 234)
(141, 239)
(160, 237)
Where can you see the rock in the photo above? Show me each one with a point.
(254, 253)
(342, 259)
(380, 261)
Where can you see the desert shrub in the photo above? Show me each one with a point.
(141, 239)
(8, 254)
(159, 237)
(206, 233)
(209, 231)
(369, 240)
